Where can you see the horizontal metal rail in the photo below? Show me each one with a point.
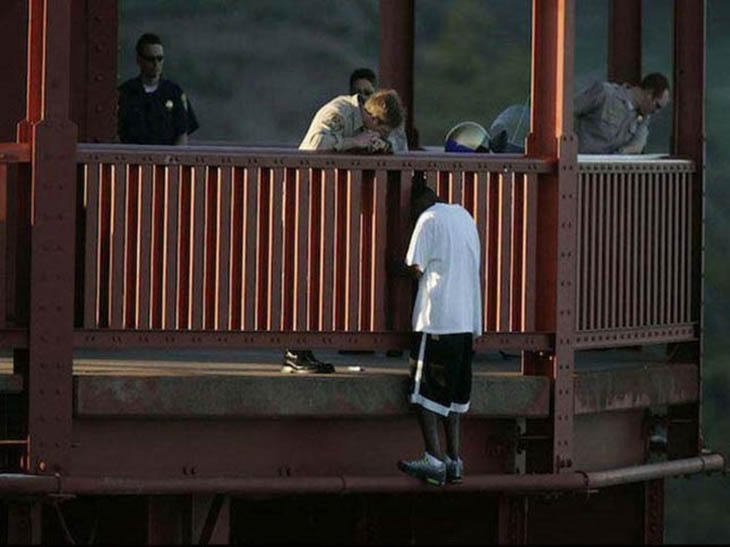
(20, 485)
(121, 339)
(634, 277)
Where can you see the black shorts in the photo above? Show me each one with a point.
(441, 371)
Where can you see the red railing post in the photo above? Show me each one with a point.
(624, 42)
(48, 361)
(551, 135)
(397, 36)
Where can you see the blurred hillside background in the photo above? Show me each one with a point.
(257, 70)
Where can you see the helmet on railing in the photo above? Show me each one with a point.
(467, 137)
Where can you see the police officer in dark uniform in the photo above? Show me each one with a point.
(153, 110)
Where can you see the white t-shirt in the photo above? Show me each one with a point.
(445, 246)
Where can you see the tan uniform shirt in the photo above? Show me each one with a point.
(340, 119)
(606, 121)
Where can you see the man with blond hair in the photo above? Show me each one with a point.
(354, 124)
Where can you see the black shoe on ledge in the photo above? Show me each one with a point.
(304, 362)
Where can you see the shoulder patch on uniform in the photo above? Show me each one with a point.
(184, 101)
(335, 122)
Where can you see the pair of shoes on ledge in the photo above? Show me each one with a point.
(433, 471)
(303, 362)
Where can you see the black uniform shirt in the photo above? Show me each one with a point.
(153, 118)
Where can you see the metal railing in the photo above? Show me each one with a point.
(256, 240)
(634, 249)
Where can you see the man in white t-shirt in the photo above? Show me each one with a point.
(444, 254)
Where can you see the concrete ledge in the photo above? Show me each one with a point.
(641, 387)
(264, 395)
(268, 395)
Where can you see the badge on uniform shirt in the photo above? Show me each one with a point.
(168, 104)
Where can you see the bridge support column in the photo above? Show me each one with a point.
(683, 432)
(53, 181)
(551, 135)
(397, 38)
(624, 42)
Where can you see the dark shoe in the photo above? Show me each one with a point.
(424, 470)
(304, 362)
(454, 471)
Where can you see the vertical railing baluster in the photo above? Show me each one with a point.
(327, 239)
(518, 242)
(592, 298)
(145, 248)
(301, 274)
(172, 190)
(224, 250)
(690, 195)
(118, 228)
(131, 293)
(493, 242)
(197, 306)
(314, 276)
(481, 199)
(379, 285)
(529, 260)
(600, 251)
(354, 192)
(456, 187)
(504, 253)
(276, 223)
(185, 250)
(250, 248)
(582, 258)
(663, 242)
(237, 251)
(91, 253)
(364, 253)
(677, 244)
(616, 180)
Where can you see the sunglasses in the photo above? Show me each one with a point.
(153, 58)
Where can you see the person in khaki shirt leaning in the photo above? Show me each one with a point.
(348, 124)
(351, 122)
(614, 119)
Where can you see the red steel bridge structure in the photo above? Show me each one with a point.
(119, 248)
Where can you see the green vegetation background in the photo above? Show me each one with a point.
(257, 70)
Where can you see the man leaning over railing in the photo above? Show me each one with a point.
(349, 123)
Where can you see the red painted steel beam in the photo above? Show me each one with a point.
(624, 41)
(13, 43)
(397, 37)
(53, 178)
(551, 135)
(684, 431)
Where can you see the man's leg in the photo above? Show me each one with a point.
(429, 428)
(454, 464)
(431, 467)
(451, 425)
